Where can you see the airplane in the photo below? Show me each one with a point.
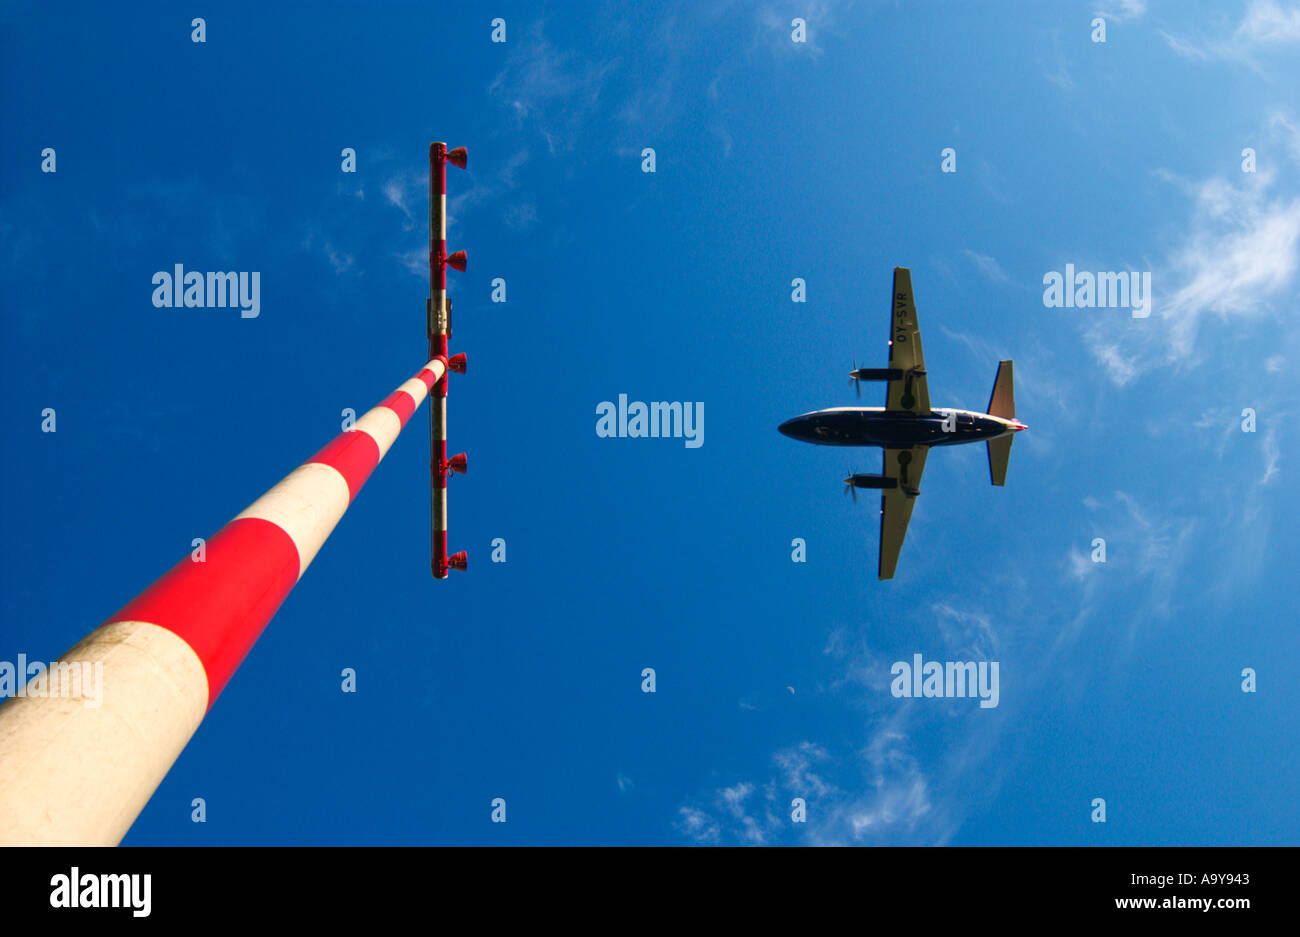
(906, 428)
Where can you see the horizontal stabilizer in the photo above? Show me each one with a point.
(999, 456)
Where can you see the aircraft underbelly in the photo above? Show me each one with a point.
(896, 433)
(923, 431)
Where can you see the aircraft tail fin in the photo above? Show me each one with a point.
(1003, 402)
(999, 456)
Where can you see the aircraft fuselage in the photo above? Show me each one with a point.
(876, 426)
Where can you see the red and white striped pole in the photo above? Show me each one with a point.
(438, 315)
(78, 774)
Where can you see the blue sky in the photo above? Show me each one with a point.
(774, 160)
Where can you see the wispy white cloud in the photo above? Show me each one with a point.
(1266, 27)
(1146, 556)
(894, 803)
(1056, 67)
(416, 260)
(1238, 254)
(988, 267)
(695, 824)
(1247, 507)
(553, 91)
(340, 261)
(520, 215)
(1270, 23)
(968, 635)
(402, 190)
(621, 96)
(503, 181)
(1272, 455)
(1283, 128)
(1080, 563)
(1116, 364)
(735, 801)
(1121, 11)
(800, 767)
(886, 796)
(777, 27)
(741, 813)
(725, 141)
(1154, 546)
(882, 796)
(1190, 50)
(1220, 424)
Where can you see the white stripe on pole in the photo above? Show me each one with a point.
(78, 770)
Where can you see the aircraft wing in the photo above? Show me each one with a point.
(896, 503)
(908, 393)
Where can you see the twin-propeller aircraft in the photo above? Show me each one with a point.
(906, 427)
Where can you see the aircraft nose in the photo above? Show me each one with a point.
(792, 428)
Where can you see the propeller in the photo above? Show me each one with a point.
(849, 487)
(853, 379)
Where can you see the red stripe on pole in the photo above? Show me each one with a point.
(219, 607)
(354, 454)
(427, 376)
(401, 403)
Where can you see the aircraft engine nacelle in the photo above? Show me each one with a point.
(872, 481)
(876, 374)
